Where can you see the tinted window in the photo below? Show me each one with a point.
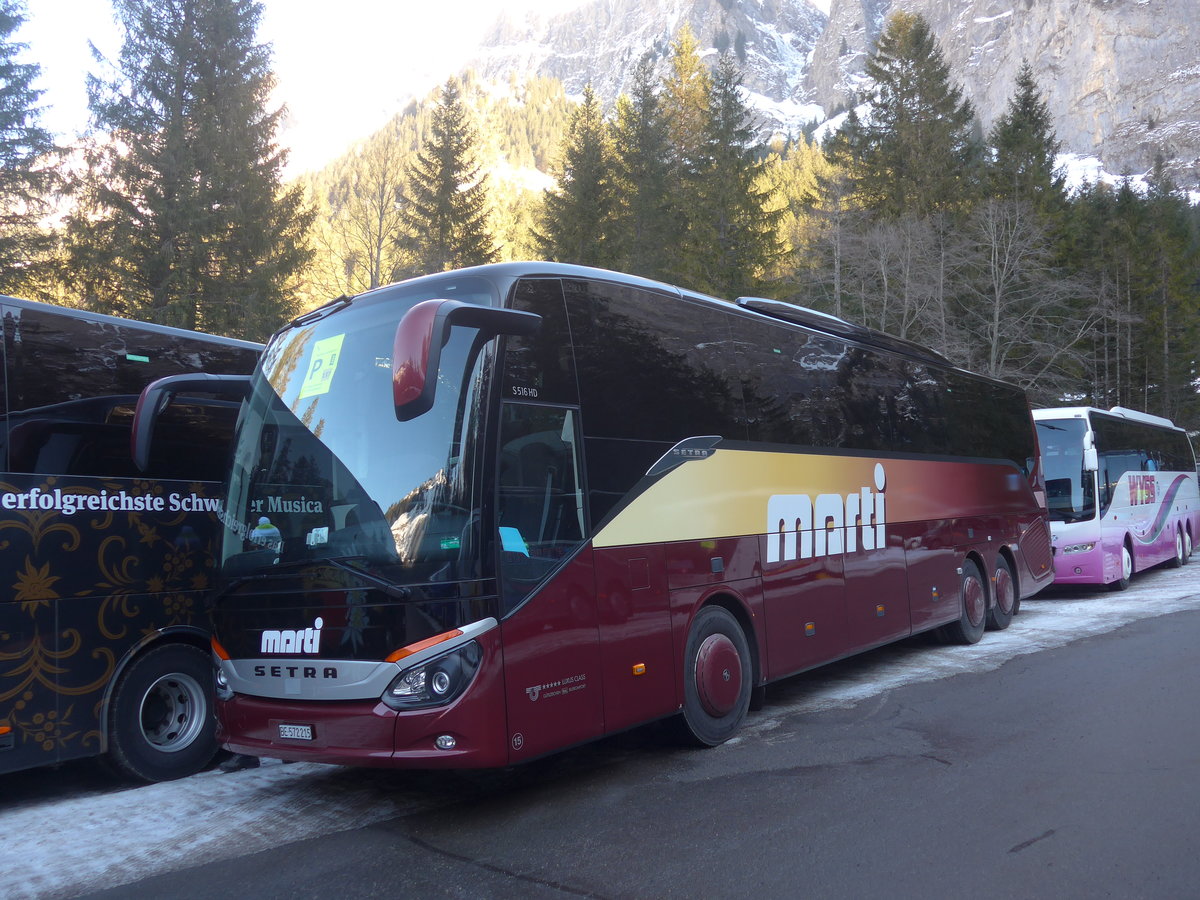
(651, 366)
(1142, 447)
(72, 384)
(811, 390)
(541, 366)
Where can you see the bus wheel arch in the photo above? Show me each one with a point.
(159, 717)
(719, 675)
(1005, 593)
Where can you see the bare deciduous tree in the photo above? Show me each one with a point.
(1025, 318)
(361, 218)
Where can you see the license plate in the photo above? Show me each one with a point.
(296, 732)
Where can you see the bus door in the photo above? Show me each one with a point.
(552, 672)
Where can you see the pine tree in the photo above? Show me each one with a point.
(576, 219)
(26, 174)
(732, 239)
(686, 92)
(644, 228)
(445, 212)
(917, 152)
(1023, 164)
(182, 218)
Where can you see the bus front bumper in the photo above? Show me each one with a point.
(361, 733)
(1080, 566)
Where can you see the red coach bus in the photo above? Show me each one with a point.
(481, 516)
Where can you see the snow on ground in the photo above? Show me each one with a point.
(65, 846)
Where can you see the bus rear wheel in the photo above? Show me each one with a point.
(972, 617)
(1004, 597)
(717, 678)
(1179, 558)
(161, 723)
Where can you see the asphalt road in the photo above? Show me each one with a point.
(1067, 772)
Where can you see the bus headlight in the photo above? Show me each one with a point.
(435, 681)
(223, 690)
(1078, 548)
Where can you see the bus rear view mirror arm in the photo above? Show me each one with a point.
(157, 396)
(423, 332)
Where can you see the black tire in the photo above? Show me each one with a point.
(717, 678)
(972, 618)
(1126, 569)
(1004, 596)
(160, 720)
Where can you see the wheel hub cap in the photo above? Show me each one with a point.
(718, 675)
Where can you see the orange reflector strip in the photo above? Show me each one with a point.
(421, 645)
(220, 651)
(5, 729)
(639, 668)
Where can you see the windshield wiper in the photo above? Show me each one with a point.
(343, 563)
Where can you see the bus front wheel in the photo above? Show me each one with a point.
(717, 678)
(161, 723)
(972, 617)
(1126, 569)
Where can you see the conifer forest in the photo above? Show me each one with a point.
(910, 217)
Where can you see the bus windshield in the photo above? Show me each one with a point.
(1070, 490)
(323, 470)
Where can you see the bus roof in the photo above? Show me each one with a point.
(1084, 412)
(101, 318)
(774, 310)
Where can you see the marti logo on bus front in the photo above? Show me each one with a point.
(305, 640)
(844, 524)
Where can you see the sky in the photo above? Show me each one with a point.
(341, 76)
(67, 844)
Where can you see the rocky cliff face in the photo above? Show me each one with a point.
(1121, 77)
(603, 41)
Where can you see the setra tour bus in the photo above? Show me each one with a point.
(1121, 491)
(481, 516)
(105, 567)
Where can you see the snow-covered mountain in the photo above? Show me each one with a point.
(1121, 77)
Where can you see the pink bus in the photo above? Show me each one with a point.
(1121, 491)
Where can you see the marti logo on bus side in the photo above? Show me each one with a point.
(1142, 490)
(844, 524)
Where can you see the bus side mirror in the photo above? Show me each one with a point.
(425, 329)
(157, 396)
(1091, 460)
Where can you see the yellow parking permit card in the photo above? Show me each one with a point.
(322, 366)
